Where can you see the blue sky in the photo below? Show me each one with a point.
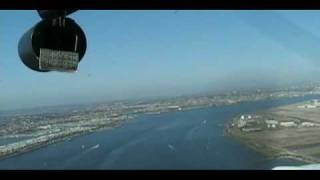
(134, 54)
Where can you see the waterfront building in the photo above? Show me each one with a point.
(288, 124)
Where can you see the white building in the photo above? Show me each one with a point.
(315, 102)
(251, 129)
(272, 123)
(308, 124)
(45, 127)
(308, 106)
(288, 124)
(311, 106)
(241, 123)
(243, 117)
(174, 108)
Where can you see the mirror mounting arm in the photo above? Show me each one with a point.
(53, 14)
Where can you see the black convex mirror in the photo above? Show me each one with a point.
(53, 45)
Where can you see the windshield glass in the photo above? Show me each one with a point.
(160, 89)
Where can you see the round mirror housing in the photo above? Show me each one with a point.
(53, 34)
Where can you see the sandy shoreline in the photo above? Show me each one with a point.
(297, 142)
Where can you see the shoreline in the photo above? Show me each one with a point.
(268, 150)
(36, 146)
(115, 124)
(265, 151)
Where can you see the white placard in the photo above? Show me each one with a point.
(56, 60)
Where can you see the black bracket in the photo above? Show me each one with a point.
(53, 14)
